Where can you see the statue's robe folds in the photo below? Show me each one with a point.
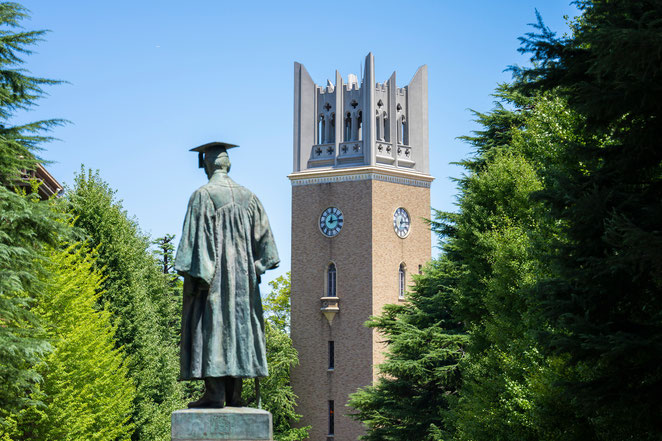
(227, 244)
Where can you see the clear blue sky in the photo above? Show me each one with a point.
(151, 79)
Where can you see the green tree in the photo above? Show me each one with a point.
(19, 92)
(604, 301)
(164, 252)
(277, 304)
(275, 390)
(420, 376)
(473, 369)
(137, 294)
(86, 389)
(507, 391)
(27, 225)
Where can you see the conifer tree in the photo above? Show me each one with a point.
(27, 225)
(420, 376)
(136, 292)
(605, 302)
(164, 252)
(86, 391)
(508, 387)
(480, 350)
(275, 390)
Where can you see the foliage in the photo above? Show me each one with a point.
(555, 248)
(27, 225)
(277, 303)
(507, 391)
(136, 293)
(86, 389)
(165, 255)
(420, 376)
(604, 298)
(479, 360)
(18, 91)
(275, 390)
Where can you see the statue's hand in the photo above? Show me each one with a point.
(259, 268)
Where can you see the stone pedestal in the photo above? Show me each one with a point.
(230, 423)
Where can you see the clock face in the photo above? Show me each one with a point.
(401, 222)
(331, 221)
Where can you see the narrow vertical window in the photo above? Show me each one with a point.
(332, 129)
(359, 126)
(331, 422)
(386, 135)
(348, 127)
(378, 127)
(332, 356)
(320, 130)
(403, 130)
(401, 277)
(331, 280)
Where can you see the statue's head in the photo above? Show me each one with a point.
(214, 156)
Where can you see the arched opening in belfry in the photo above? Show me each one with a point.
(320, 130)
(359, 126)
(348, 127)
(378, 126)
(386, 132)
(402, 128)
(332, 130)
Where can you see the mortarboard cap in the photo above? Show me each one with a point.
(210, 145)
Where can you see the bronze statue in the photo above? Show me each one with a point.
(226, 245)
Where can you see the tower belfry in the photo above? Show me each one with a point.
(360, 194)
(368, 124)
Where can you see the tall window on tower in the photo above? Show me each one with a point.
(331, 280)
(402, 279)
(348, 127)
(332, 356)
(332, 429)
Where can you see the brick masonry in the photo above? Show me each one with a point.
(367, 254)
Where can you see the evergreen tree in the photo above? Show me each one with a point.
(27, 225)
(172, 309)
(508, 388)
(18, 92)
(85, 389)
(476, 354)
(275, 390)
(420, 376)
(137, 294)
(605, 300)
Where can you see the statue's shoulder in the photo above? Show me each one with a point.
(200, 192)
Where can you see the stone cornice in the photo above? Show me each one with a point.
(399, 176)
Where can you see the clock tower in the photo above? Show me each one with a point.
(360, 194)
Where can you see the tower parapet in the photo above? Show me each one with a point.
(351, 124)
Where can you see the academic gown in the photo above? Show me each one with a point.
(226, 245)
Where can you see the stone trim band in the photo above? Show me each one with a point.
(361, 177)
